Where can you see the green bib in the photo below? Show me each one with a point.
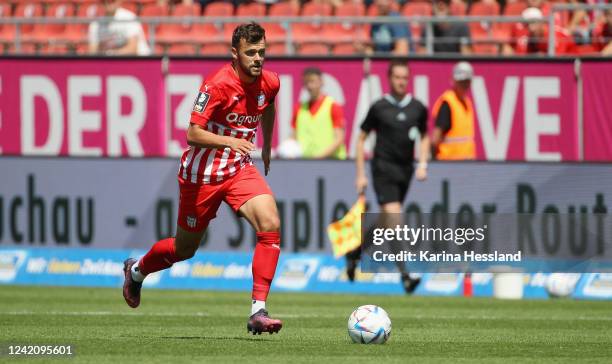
(316, 132)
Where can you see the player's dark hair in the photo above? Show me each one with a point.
(250, 32)
(311, 71)
(447, 2)
(396, 63)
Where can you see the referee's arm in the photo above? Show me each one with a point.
(361, 181)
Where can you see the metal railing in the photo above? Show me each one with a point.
(288, 22)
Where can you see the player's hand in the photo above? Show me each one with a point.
(241, 146)
(265, 156)
(421, 173)
(361, 183)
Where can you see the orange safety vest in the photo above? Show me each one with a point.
(458, 142)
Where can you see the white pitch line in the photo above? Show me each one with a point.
(289, 315)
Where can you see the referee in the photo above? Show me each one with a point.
(398, 119)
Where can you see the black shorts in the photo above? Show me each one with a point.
(391, 181)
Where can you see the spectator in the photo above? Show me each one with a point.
(318, 123)
(453, 135)
(449, 37)
(532, 37)
(579, 23)
(120, 36)
(394, 37)
(602, 35)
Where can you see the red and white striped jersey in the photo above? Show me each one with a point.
(226, 106)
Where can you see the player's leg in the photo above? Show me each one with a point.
(251, 197)
(198, 204)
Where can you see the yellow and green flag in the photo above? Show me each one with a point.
(345, 234)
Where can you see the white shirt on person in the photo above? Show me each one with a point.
(115, 34)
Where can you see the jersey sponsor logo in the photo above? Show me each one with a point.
(401, 116)
(261, 99)
(201, 102)
(242, 119)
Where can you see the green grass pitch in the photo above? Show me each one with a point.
(210, 327)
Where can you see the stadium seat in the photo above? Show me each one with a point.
(311, 31)
(373, 10)
(314, 49)
(7, 32)
(421, 9)
(181, 31)
(53, 33)
(152, 11)
(347, 32)
(248, 11)
(502, 31)
(181, 49)
(77, 33)
(28, 11)
(214, 32)
(276, 49)
(481, 33)
(215, 49)
(275, 32)
(458, 8)
(344, 49)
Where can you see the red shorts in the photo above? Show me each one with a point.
(198, 203)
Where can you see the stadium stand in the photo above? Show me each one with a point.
(312, 37)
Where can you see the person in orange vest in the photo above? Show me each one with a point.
(453, 113)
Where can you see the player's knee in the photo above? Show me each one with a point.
(270, 224)
(186, 252)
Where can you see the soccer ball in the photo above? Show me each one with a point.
(369, 324)
(561, 284)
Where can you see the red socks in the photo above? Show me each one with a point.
(265, 259)
(161, 256)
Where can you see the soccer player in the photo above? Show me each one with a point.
(217, 167)
(398, 119)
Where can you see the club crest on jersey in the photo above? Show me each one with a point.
(261, 99)
(192, 221)
(201, 102)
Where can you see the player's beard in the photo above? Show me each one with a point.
(249, 70)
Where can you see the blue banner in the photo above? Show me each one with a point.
(232, 271)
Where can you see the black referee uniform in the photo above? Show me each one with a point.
(397, 126)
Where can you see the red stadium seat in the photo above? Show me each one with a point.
(214, 32)
(314, 49)
(501, 31)
(248, 11)
(274, 31)
(373, 10)
(152, 11)
(182, 49)
(347, 32)
(458, 8)
(53, 32)
(215, 49)
(28, 11)
(7, 32)
(311, 31)
(421, 9)
(77, 33)
(276, 49)
(481, 33)
(344, 49)
(182, 31)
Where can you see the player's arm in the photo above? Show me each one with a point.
(131, 47)
(207, 103)
(267, 128)
(198, 137)
(442, 126)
